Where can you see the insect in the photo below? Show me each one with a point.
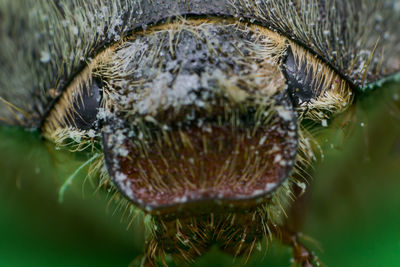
(195, 112)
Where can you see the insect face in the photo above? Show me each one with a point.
(196, 117)
(200, 118)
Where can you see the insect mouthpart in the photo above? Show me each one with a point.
(232, 159)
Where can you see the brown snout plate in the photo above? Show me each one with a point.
(203, 167)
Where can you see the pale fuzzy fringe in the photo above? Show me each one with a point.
(73, 140)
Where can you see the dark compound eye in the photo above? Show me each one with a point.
(301, 82)
(87, 105)
(77, 107)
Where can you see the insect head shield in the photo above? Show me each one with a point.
(198, 114)
(206, 120)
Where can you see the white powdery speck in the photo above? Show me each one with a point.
(45, 57)
(183, 199)
(120, 177)
(303, 186)
(283, 163)
(284, 113)
(275, 148)
(150, 103)
(257, 192)
(126, 188)
(278, 158)
(91, 134)
(270, 186)
(119, 137)
(75, 30)
(262, 140)
(140, 136)
(123, 152)
(75, 136)
(181, 88)
(324, 123)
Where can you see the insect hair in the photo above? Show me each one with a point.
(358, 51)
(54, 39)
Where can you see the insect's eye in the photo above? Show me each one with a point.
(77, 107)
(86, 107)
(73, 115)
(316, 90)
(302, 86)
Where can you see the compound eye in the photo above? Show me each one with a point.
(316, 90)
(300, 82)
(87, 105)
(77, 107)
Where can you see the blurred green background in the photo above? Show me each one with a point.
(353, 212)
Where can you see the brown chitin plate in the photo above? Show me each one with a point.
(205, 167)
